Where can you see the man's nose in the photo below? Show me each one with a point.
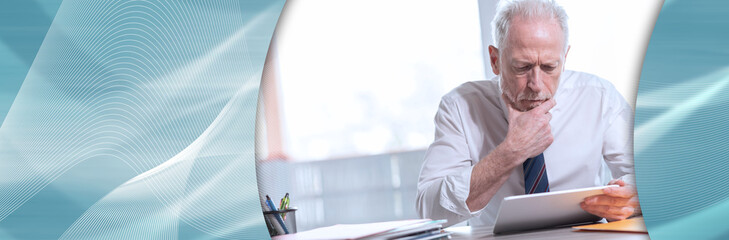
(536, 80)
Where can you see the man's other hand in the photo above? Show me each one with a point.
(617, 203)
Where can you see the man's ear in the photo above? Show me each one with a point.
(565, 57)
(494, 57)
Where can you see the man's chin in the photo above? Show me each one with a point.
(523, 108)
(526, 105)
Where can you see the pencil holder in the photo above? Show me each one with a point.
(288, 217)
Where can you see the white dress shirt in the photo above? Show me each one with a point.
(591, 123)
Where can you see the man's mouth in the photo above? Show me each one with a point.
(535, 101)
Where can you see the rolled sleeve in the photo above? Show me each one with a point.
(446, 173)
(618, 139)
(454, 198)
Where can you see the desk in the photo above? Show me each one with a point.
(464, 233)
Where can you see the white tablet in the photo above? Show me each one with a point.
(541, 210)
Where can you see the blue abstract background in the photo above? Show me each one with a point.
(681, 128)
(131, 119)
(23, 25)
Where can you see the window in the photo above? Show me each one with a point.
(365, 77)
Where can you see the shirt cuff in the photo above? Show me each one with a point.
(628, 179)
(453, 198)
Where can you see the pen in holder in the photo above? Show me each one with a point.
(288, 216)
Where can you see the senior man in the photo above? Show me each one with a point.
(533, 128)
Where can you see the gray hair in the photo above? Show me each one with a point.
(529, 9)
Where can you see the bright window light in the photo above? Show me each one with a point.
(366, 77)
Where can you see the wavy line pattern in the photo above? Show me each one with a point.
(169, 88)
(680, 127)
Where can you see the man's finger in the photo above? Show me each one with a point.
(545, 106)
(588, 208)
(598, 210)
(618, 182)
(611, 213)
(607, 200)
(622, 211)
(619, 213)
(621, 192)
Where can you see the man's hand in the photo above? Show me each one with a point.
(529, 132)
(528, 135)
(617, 203)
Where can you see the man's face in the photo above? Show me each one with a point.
(531, 62)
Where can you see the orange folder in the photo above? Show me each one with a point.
(634, 225)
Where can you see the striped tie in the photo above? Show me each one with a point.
(535, 175)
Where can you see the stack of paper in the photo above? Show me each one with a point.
(420, 229)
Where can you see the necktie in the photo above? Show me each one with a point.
(535, 175)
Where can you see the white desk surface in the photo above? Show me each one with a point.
(466, 232)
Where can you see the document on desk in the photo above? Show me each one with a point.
(635, 225)
(380, 230)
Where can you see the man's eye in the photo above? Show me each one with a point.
(524, 68)
(548, 68)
